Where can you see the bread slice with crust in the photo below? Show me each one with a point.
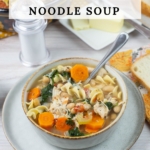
(146, 98)
(145, 7)
(141, 70)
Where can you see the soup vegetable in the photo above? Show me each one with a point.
(61, 103)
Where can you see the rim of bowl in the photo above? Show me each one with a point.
(62, 136)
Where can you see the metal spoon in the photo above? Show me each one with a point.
(117, 45)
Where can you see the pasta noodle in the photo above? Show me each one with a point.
(99, 78)
(34, 111)
(119, 95)
(60, 68)
(59, 78)
(115, 91)
(87, 86)
(108, 79)
(67, 88)
(82, 93)
(30, 105)
(96, 94)
(90, 69)
(75, 90)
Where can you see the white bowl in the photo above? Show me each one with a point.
(82, 141)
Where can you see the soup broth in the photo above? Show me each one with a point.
(61, 103)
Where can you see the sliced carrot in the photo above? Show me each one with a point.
(96, 124)
(79, 73)
(34, 93)
(89, 130)
(46, 120)
(61, 124)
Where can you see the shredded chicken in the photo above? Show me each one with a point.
(76, 122)
(101, 109)
(58, 109)
(56, 93)
(112, 100)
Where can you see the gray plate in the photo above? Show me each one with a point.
(22, 136)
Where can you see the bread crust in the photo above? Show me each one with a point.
(148, 119)
(139, 79)
(3, 5)
(147, 106)
(145, 9)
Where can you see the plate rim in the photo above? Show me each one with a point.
(143, 105)
(3, 107)
(31, 72)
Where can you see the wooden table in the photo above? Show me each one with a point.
(61, 43)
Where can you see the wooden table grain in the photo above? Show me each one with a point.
(61, 43)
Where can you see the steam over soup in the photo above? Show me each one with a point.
(61, 103)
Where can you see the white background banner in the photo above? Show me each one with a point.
(61, 9)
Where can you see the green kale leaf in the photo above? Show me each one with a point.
(46, 93)
(109, 105)
(70, 122)
(87, 100)
(71, 81)
(75, 132)
(70, 114)
(52, 75)
(65, 74)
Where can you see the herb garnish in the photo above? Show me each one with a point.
(71, 80)
(109, 105)
(65, 74)
(87, 100)
(75, 132)
(70, 122)
(70, 114)
(52, 75)
(46, 92)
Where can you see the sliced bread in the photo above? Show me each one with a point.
(145, 7)
(141, 70)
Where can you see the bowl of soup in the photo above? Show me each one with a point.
(69, 114)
